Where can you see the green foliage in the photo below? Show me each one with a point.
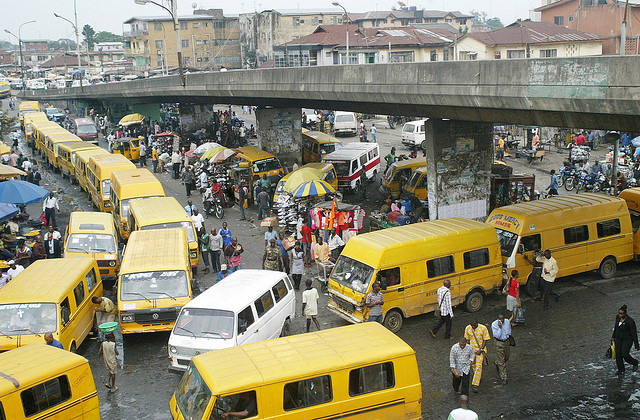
(494, 23)
(89, 34)
(249, 56)
(480, 18)
(106, 36)
(7, 123)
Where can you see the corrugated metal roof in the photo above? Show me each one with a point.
(532, 33)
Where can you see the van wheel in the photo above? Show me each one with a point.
(393, 320)
(474, 301)
(423, 145)
(286, 328)
(194, 270)
(608, 268)
(73, 348)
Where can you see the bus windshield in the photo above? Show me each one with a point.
(91, 242)
(342, 168)
(413, 181)
(193, 394)
(327, 148)
(203, 322)
(28, 318)
(351, 273)
(266, 165)
(507, 241)
(154, 285)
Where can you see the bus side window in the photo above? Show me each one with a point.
(307, 393)
(2, 415)
(440, 266)
(79, 294)
(91, 279)
(45, 395)
(245, 319)
(371, 379)
(531, 243)
(389, 277)
(65, 311)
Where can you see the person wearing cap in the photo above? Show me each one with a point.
(272, 257)
(14, 269)
(223, 272)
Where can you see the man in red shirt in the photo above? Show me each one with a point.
(306, 240)
(581, 140)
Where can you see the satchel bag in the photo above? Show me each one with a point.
(486, 356)
(43, 219)
(512, 341)
(437, 311)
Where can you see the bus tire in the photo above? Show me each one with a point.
(73, 348)
(608, 268)
(286, 328)
(393, 320)
(474, 301)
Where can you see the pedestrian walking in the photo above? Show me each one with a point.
(390, 157)
(38, 250)
(224, 272)
(204, 240)
(243, 192)
(306, 239)
(624, 335)
(225, 233)
(154, 159)
(463, 413)
(297, 263)
(460, 358)
(189, 180)
(283, 251)
(310, 299)
(373, 133)
(549, 273)
(445, 309)
(478, 336)
(175, 163)
(52, 246)
(553, 186)
(269, 235)
(263, 203)
(143, 155)
(374, 301)
(501, 329)
(49, 208)
(233, 255)
(215, 246)
(272, 257)
(109, 352)
(198, 220)
(190, 208)
(513, 292)
(37, 177)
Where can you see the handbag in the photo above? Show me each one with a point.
(505, 289)
(519, 316)
(486, 356)
(512, 341)
(437, 311)
(611, 351)
(43, 219)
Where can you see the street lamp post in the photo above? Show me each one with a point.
(346, 22)
(623, 30)
(176, 26)
(19, 37)
(75, 28)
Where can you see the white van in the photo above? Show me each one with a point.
(351, 159)
(245, 307)
(345, 123)
(413, 134)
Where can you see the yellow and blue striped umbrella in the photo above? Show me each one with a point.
(315, 188)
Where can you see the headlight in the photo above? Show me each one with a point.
(173, 350)
(358, 308)
(112, 263)
(127, 318)
(193, 255)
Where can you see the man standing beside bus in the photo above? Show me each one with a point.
(374, 302)
(446, 311)
(549, 273)
(105, 312)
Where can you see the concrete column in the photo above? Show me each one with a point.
(279, 132)
(459, 158)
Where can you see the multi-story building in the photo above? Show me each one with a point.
(411, 15)
(209, 41)
(262, 31)
(600, 17)
(525, 39)
(35, 45)
(328, 45)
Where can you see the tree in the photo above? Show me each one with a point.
(249, 56)
(494, 23)
(480, 18)
(106, 36)
(89, 34)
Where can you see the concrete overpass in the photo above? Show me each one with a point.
(587, 92)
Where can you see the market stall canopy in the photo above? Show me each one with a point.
(315, 188)
(204, 147)
(7, 171)
(21, 192)
(4, 149)
(211, 152)
(191, 154)
(223, 155)
(7, 211)
(301, 175)
(131, 119)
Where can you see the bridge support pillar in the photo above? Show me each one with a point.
(280, 133)
(459, 159)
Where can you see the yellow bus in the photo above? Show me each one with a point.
(66, 155)
(50, 296)
(99, 172)
(5, 89)
(316, 145)
(40, 130)
(43, 382)
(632, 197)
(29, 119)
(397, 175)
(584, 232)
(417, 184)
(410, 263)
(254, 163)
(25, 108)
(52, 145)
(129, 185)
(154, 280)
(91, 234)
(161, 213)
(81, 164)
(329, 374)
(316, 170)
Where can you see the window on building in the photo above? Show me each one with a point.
(440, 266)
(401, 57)
(371, 379)
(608, 228)
(157, 26)
(570, 18)
(516, 54)
(307, 393)
(159, 62)
(576, 234)
(219, 24)
(448, 20)
(185, 43)
(184, 25)
(314, 21)
(370, 58)
(198, 42)
(558, 20)
(205, 24)
(497, 55)
(45, 395)
(196, 25)
(463, 21)
(433, 56)
(548, 53)
(445, 54)
(159, 43)
(296, 21)
(186, 61)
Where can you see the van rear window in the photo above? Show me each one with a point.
(45, 395)
(279, 290)
(576, 234)
(371, 379)
(440, 266)
(608, 228)
(408, 128)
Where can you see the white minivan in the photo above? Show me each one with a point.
(245, 307)
(350, 160)
(413, 134)
(345, 123)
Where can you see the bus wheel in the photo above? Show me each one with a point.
(286, 328)
(608, 268)
(474, 301)
(73, 348)
(393, 320)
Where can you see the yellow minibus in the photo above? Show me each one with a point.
(52, 146)
(311, 171)
(397, 175)
(81, 165)
(410, 263)
(417, 184)
(41, 129)
(632, 197)
(154, 280)
(99, 172)
(316, 145)
(91, 234)
(53, 296)
(128, 185)
(66, 154)
(161, 213)
(43, 382)
(329, 374)
(583, 232)
(253, 164)
(25, 108)
(29, 119)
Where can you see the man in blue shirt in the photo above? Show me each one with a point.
(553, 186)
(501, 329)
(225, 232)
(48, 338)
(625, 140)
(283, 251)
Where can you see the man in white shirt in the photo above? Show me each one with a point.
(446, 311)
(175, 161)
(198, 220)
(310, 305)
(463, 413)
(49, 207)
(26, 165)
(549, 273)
(204, 181)
(189, 208)
(143, 155)
(14, 270)
(335, 244)
(53, 232)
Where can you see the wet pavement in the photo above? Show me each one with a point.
(557, 370)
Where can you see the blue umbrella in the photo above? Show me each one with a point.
(7, 211)
(636, 142)
(21, 192)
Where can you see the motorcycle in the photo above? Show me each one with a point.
(212, 204)
(563, 174)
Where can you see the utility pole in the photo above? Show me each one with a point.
(623, 30)
(75, 28)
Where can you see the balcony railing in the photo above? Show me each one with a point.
(134, 34)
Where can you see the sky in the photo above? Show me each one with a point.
(108, 15)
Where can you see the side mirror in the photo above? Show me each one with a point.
(521, 249)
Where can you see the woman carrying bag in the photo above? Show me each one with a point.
(625, 334)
